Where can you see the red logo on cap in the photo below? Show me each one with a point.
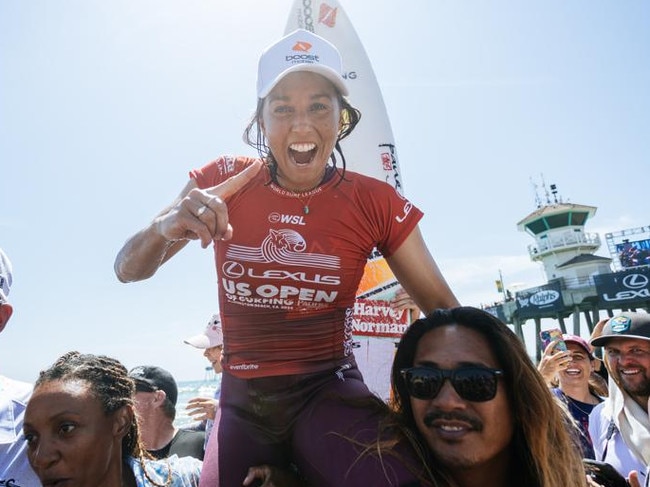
(327, 15)
(302, 46)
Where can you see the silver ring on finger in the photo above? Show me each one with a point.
(202, 210)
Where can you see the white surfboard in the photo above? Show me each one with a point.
(369, 150)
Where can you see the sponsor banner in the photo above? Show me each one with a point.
(540, 300)
(373, 318)
(623, 288)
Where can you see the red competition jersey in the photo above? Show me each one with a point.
(287, 279)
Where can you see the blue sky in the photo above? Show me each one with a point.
(106, 106)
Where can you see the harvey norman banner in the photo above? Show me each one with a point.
(376, 329)
(376, 318)
(541, 300)
(623, 288)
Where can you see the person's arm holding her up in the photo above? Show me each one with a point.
(403, 302)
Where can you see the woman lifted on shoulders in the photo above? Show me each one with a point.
(292, 230)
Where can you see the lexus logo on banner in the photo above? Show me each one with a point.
(635, 281)
(624, 288)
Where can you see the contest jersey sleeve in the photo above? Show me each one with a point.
(288, 277)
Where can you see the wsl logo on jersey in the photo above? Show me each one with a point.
(288, 219)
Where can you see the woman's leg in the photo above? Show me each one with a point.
(331, 433)
(235, 444)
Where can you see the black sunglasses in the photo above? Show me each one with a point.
(476, 384)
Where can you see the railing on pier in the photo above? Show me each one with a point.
(564, 241)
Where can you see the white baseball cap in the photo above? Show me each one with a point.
(211, 337)
(5, 276)
(299, 51)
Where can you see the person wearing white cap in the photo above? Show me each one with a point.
(211, 342)
(14, 465)
(204, 409)
(292, 230)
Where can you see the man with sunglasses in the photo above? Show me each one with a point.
(477, 407)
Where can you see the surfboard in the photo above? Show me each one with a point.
(369, 150)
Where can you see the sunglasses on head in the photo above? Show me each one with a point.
(476, 384)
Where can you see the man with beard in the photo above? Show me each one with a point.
(619, 426)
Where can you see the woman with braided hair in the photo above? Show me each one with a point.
(82, 431)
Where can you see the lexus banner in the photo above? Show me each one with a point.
(623, 288)
(540, 301)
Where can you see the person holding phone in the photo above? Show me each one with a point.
(568, 373)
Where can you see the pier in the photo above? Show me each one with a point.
(579, 283)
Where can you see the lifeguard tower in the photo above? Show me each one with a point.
(567, 253)
(561, 243)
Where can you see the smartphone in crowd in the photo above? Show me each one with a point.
(604, 474)
(553, 335)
